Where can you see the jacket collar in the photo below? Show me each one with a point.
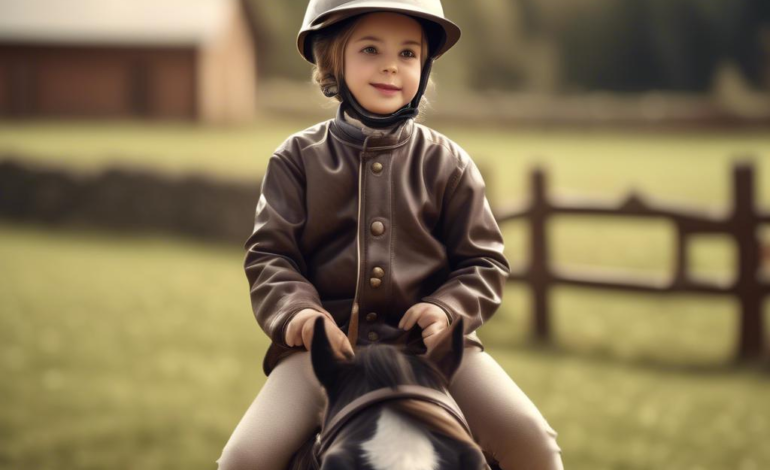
(351, 135)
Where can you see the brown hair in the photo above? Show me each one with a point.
(329, 54)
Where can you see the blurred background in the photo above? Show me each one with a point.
(134, 135)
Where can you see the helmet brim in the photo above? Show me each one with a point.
(304, 44)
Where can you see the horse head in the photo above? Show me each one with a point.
(388, 405)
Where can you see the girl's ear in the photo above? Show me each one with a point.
(325, 364)
(447, 354)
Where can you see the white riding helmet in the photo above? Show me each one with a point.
(320, 14)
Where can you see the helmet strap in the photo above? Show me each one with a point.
(408, 111)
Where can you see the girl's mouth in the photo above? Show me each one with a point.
(385, 89)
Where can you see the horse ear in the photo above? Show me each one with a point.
(447, 354)
(325, 365)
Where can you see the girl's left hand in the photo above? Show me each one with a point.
(431, 318)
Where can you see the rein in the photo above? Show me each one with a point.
(381, 395)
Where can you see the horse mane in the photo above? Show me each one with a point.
(385, 365)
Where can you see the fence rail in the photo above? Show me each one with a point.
(741, 222)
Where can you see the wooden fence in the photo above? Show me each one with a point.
(741, 222)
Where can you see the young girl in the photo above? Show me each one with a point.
(377, 224)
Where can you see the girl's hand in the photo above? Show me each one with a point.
(299, 332)
(431, 318)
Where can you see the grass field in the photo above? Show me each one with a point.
(141, 352)
(691, 167)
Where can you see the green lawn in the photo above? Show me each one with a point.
(690, 167)
(141, 352)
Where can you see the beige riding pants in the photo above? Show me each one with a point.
(284, 414)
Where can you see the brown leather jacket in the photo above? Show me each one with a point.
(365, 227)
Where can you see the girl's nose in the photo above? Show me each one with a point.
(390, 67)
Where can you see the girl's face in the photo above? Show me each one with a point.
(383, 61)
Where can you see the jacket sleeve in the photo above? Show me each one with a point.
(474, 246)
(275, 266)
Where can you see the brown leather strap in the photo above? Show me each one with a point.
(353, 326)
(380, 395)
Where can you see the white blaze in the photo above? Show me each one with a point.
(398, 445)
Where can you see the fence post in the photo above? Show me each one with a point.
(539, 263)
(745, 221)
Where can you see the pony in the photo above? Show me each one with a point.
(389, 408)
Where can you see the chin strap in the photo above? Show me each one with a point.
(409, 111)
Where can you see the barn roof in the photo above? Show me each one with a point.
(118, 22)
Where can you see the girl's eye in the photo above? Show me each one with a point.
(370, 48)
(409, 53)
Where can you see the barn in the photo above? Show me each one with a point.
(128, 59)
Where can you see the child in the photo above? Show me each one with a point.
(377, 224)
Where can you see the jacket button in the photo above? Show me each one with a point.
(371, 317)
(376, 167)
(373, 336)
(378, 272)
(378, 228)
(374, 282)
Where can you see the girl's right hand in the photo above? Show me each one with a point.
(299, 332)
